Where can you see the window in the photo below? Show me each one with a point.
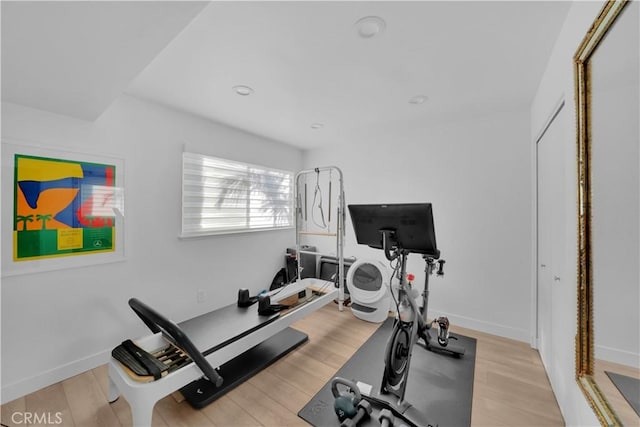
(223, 196)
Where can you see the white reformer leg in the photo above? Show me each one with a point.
(141, 400)
(142, 414)
(114, 393)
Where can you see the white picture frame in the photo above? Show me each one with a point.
(76, 251)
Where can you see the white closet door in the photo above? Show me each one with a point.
(550, 171)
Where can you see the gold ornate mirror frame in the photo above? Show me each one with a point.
(584, 337)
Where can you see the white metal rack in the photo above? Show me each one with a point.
(302, 217)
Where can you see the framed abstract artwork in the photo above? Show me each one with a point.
(60, 209)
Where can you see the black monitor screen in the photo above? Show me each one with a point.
(329, 268)
(411, 223)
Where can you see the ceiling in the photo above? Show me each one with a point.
(75, 58)
(305, 62)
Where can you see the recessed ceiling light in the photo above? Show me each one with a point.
(243, 90)
(418, 99)
(317, 126)
(370, 26)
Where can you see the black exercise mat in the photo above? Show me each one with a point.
(440, 386)
(629, 388)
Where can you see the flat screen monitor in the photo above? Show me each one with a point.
(329, 267)
(411, 225)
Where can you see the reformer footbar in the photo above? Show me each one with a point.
(158, 323)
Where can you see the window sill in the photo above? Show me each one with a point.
(186, 236)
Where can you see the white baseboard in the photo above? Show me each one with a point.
(616, 355)
(487, 327)
(43, 379)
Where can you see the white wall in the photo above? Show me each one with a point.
(477, 174)
(557, 83)
(60, 323)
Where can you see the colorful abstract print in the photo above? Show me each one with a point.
(62, 208)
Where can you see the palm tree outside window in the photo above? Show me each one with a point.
(222, 196)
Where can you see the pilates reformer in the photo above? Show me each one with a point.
(214, 339)
(211, 342)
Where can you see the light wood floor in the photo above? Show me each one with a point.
(510, 386)
(621, 407)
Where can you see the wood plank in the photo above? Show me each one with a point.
(292, 373)
(181, 414)
(290, 395)
(121, 407)
(50, 403)
(263, 407)
(226, 412)
(495, 409)
(17, 407)
(317, 233)
(88, 404)
(521, 395)
(328, 351)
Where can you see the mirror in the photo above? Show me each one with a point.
(607, 74)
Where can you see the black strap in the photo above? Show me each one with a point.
(142, 357)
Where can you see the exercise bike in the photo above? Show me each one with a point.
(399, 230)
(407, 328)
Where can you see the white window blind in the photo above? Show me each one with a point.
(223, 196)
